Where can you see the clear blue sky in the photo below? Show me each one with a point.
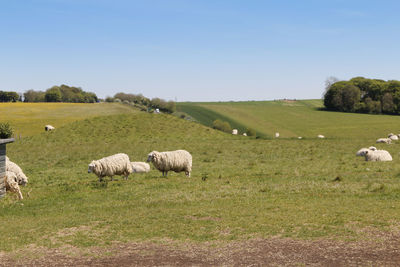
(197, 50)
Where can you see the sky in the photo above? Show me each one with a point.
(197, 50)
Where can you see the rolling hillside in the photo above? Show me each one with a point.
(241, 188)
(292, 119)
(30, 118)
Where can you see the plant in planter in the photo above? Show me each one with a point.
(6, 131)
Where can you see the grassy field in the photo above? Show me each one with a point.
(30, 118)
(240, 188)
(292, 119)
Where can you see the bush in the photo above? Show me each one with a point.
(250, 132)
(109, 99)
(6, 131)
(222, 126)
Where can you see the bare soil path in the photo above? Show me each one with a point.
(257, 252)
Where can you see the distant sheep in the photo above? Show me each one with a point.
(384, 140)
(48, 128)
(276, 135)
(378, 155)
(393, 137)
(372, 154)
(299, 137)
(140, 167)
(12, 167)
(235, 131)
(177, 161)
(320, 136)
(244, 134)
(117, 164)
(12, 184)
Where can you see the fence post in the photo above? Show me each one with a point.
(3, 143)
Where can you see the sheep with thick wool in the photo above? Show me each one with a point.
(372, 154)
(177, 161)
(384, 140)
(393, 137)
(118, 164)
(140, 167)
(13, 167)
(12, 184)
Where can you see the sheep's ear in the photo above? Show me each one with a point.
(366, 152)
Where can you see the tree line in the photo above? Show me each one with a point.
(71, 94)
(62, 93)
(363, 95)
(143, 102)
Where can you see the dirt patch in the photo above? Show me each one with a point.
(256, 252)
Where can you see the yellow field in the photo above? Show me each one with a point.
(30, 118)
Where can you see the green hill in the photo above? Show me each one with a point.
(240, 187)
(292, 119)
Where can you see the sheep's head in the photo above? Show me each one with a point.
(22, 179)
(362, 152)
(152, 156)
(92, 166)
(372, 148)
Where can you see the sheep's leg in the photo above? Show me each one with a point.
(166, 173)
(112, 178)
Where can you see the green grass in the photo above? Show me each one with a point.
(293, 119)
(30, 118)
(240, 187)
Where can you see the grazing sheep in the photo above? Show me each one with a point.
(235, 131)
(140, 167)
(393, 137)
(244, 134)
(276, 135)
(48, 128)
(377, 155)
(320, 136)
(299, 137)
(12, 184)
(118, 164)
(384, 140)
(177, 161)
(363, 151)
(12, 167)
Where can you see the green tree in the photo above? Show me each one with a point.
(53, 94)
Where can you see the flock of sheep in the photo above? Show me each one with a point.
(119, 164)
(373, 154)
(177, 161)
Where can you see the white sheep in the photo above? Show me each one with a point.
(363, 151)
(393, 137)
(276, 135)
(299, 137)
(384, 140)
(140, 167)
(378, 155)
(11, 181)
(13, 167)
(234, 131)
(244, 134)
(177, 161)
(320, 136)
(48, 128)
(118, 164)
